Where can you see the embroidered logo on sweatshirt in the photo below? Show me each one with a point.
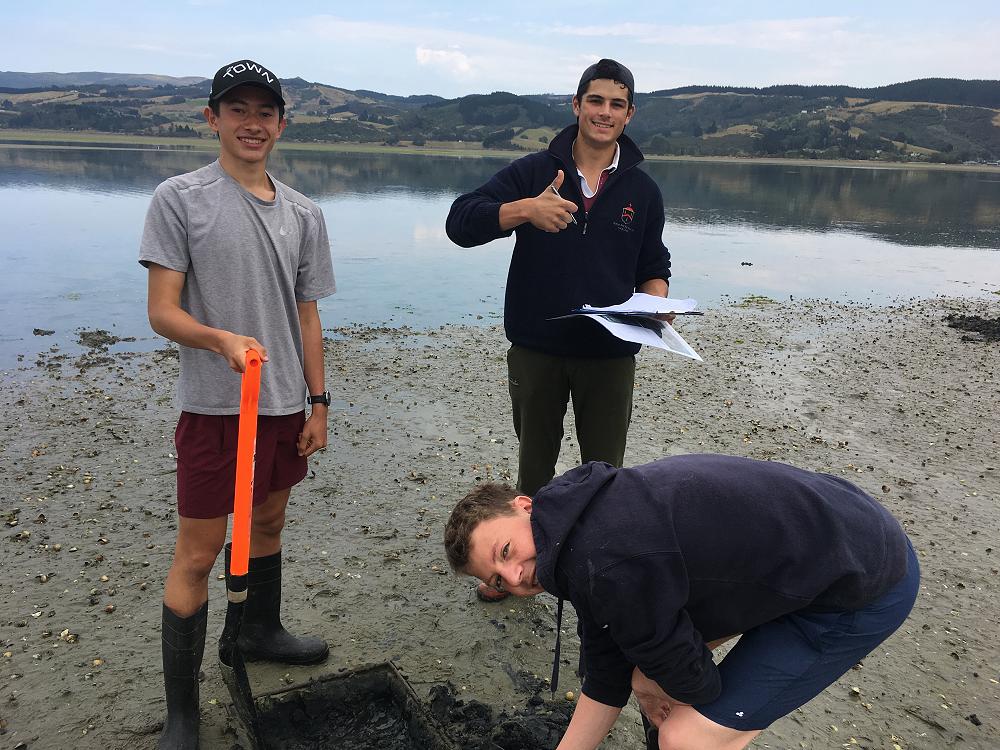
(624, 222)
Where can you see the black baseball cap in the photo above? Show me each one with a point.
(607, 69)
(245, 73)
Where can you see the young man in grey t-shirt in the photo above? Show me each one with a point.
(236, 261)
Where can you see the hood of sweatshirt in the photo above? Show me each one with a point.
(555, 510)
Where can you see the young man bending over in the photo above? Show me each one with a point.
(665, 561)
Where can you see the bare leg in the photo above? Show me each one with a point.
(199, 541)
(268, 521)
(686, 729)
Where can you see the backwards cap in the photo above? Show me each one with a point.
(608, 69)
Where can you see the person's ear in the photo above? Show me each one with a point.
(522, 502)
(211, 119)
(576, 106)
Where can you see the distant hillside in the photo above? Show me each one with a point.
(14, 80)
(936, 90)
(934, 119)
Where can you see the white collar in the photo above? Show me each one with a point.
(588, 192)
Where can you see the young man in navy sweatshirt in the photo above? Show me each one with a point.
(589, 227)
(666, 561)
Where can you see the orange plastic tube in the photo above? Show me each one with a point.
(245, 447)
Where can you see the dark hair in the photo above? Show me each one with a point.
(213, 104)
(611, 70)
(485, 502)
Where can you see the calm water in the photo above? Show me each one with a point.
(71, 222)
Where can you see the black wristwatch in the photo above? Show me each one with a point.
(323, 398)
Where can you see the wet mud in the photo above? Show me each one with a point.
(988, 329)
(891, 398)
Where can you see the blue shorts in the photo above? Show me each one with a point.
(783, 664)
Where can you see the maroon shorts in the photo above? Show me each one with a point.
(206, 460)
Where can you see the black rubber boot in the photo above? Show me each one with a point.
(262, 636)
(183, 640)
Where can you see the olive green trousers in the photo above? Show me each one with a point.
(541, 386)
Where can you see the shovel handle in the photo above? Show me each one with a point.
(245, 446)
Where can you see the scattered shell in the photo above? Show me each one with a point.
(570, 695)
(110, 608)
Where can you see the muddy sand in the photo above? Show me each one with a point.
(898, 400)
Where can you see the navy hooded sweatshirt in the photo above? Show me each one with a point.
(599, 261)
(659, 559)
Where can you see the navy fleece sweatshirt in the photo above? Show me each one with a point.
(599, 261)
(659, 559)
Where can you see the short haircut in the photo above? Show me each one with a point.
(484, 503)
(610, 69)
(213, 104)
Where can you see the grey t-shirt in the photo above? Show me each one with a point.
(247, 262)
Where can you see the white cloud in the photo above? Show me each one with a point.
(771, 35)
(140, 47)
(451, 61)
(827, 49)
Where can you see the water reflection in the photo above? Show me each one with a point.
(72, 220)
(904, 206)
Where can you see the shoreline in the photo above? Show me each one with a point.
(851, 389)
(56, 139)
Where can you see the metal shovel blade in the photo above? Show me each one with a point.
(234, 673)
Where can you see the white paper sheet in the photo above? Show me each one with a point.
(643, 308)
(671, 340)
(646, 303)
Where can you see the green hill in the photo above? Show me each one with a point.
(934, 119)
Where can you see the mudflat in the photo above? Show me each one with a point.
(900, 400)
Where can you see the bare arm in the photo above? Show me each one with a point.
(589, 726)
(169, 319)
(656, 287)
(314, 432)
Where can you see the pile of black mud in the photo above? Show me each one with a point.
(313, 722)
(987, 328)
(370, 708)
(374, 708)
(475, 726)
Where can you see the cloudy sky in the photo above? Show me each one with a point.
(452, 49)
